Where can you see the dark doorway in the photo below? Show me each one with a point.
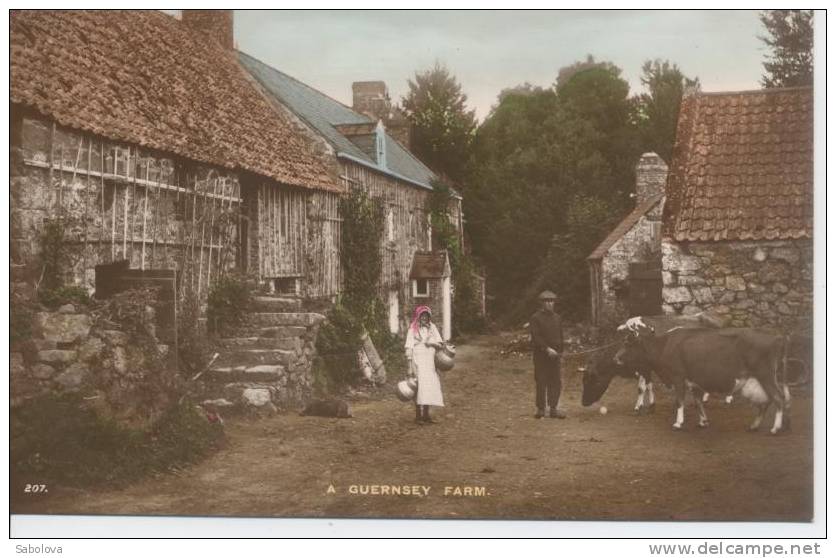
(645, 288)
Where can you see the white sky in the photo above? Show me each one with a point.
(489, 51)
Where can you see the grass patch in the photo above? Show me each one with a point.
(62, 440)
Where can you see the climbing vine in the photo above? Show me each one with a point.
(466, 306)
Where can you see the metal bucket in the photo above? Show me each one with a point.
(444, 358)
(406, 390)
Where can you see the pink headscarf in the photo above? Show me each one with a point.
(417, 317)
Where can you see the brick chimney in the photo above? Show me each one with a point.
(372, 99)
(212, 23)
(651, 175)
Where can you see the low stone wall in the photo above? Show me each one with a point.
(68, 351)
(758, 283)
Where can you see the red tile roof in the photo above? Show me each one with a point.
(144, 77)
(742, 167)
(624, 226)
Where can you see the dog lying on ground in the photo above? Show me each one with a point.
(327, 408)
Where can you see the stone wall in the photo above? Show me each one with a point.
(758, 283)
(70, 350)
(640, 243)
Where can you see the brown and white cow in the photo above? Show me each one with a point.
(722, 361)
(600, 368)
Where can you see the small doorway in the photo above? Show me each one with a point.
(645, 288)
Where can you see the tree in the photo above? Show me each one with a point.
(658, 107)
(538, 150)
(442, 126)
(790, 62)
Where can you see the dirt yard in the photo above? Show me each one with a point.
(488, 445)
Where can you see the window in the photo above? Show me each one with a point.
(421, 288)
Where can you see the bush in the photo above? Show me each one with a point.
(228, 303)
(60, 439)
(193, 346)
(68, 294)
(336, 345)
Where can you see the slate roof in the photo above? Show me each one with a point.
(742, 167)
(624, 226)
(324, 113)
(143, 77)
(429, 265)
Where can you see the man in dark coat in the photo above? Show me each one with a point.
(547, 342)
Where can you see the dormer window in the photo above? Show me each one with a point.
(380, 143)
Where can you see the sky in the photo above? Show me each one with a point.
(488, 51)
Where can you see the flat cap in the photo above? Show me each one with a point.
(547, 295)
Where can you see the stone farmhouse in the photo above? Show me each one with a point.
(625, 269)
(737, 231)
(156, 146)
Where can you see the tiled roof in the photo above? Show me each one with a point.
(624, 226)
(742, 167)
(144, 77)
(324, 114)
(429, 265)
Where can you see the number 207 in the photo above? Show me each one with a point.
(33, 488)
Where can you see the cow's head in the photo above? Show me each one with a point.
(599, 372)
(631, 353)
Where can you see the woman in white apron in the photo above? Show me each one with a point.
(422, 340)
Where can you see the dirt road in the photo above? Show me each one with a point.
(590, 466)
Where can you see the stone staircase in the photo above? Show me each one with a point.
(264, 364)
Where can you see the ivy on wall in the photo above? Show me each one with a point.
(467, 316)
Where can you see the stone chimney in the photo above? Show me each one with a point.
(651, 175)
(372, 99)
(211, 23)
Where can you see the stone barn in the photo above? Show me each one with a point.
(625, 269)
(737, 233)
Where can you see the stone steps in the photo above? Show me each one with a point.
(269, 332)
(288, 343)
(275, 304)
(271, 319)
(260, 373)
(253, 357)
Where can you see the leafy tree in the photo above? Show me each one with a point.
(538, 150)
(790, 62)
(442, 126)
(658, 107)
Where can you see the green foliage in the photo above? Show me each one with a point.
(564, 269)
(193, 345)
(659, 105)
(134, 310)
(362, 231)
(466, 304)
(67, 294)
(55, 258)
(61, 439)
(790, 61)
(538, 149)
(360, 309)
(228, 301)
(336, 345)
(442, 127)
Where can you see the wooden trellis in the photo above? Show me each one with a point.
(125, 203)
